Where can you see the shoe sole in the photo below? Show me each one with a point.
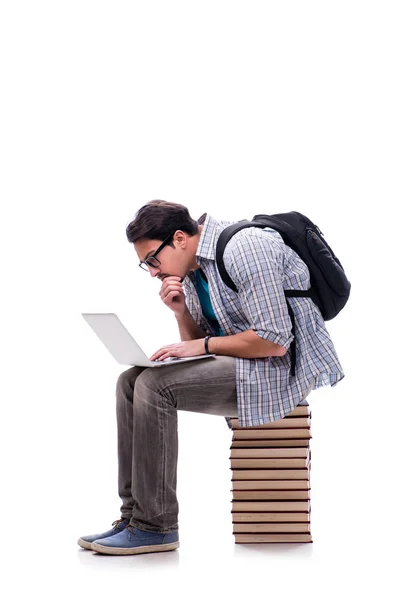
(140, 550)
(83, 544)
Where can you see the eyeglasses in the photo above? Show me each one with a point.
(152, 261)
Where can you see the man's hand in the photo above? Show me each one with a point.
(171, 293)
(181, 349)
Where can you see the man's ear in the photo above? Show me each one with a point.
(180, 237)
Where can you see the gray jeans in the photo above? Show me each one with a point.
(147, 403)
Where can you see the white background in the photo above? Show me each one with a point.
(233, 108)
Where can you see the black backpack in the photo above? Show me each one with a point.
(330, 288)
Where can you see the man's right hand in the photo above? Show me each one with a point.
(171, 293)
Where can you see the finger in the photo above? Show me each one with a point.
(157, 354)
(164, 356)
(170, 350)
(172, 284)
(174, 288)
(171, 296)
(167, 283)
(172, 278)
(164, 292)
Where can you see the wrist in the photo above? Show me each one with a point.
(207, 349)
(181, 314)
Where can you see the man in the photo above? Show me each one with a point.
(249, 331)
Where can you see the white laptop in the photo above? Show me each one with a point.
(123, 347)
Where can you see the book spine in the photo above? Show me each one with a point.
(269, 452)
(270, 517)
(253, 434)
(277, 443)
(271, 506)
(275, 484)
(254, 528)
(271, 495)
(269, 463)
(248, 538)
(267, 474)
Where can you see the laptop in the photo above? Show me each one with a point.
(120, 343)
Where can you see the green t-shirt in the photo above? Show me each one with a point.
(201, 286)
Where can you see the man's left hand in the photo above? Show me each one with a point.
(181, 349)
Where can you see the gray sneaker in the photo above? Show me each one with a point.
(118, 526)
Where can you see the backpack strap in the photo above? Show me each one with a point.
(224, 237)
(293, 342)
(299, 293)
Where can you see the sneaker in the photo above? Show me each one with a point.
(118, 525)
(137, 541)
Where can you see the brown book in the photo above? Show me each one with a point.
(286, 423)
(270, 443)
(271, 474)
(271, 494)
(271, 506)
(269, 463)
(271, 517)
(271, 528)
(259, 538)
(276, 484)
(299, 411)
(269, 453)
(303, 403)
(252, 433)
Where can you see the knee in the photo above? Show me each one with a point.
(146, 379)
(126, 382)
(151, 380)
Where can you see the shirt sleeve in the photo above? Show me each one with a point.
(254, 259)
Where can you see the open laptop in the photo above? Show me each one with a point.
(123, 347)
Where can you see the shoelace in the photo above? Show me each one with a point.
(118, 521)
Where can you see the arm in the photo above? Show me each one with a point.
(188, 328)
(255, 262)
(246, 344)
(172, 294)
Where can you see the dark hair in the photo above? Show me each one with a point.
(157, 219)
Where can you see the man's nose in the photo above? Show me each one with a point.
(154, 271)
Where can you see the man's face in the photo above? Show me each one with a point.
(170, 260)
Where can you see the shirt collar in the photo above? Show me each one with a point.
(207, 244)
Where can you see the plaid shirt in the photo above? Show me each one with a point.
(262, 266)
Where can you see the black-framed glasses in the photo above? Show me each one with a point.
(152, 261)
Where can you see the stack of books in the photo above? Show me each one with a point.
(271, 465)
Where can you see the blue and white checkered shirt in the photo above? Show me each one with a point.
(262, 266)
